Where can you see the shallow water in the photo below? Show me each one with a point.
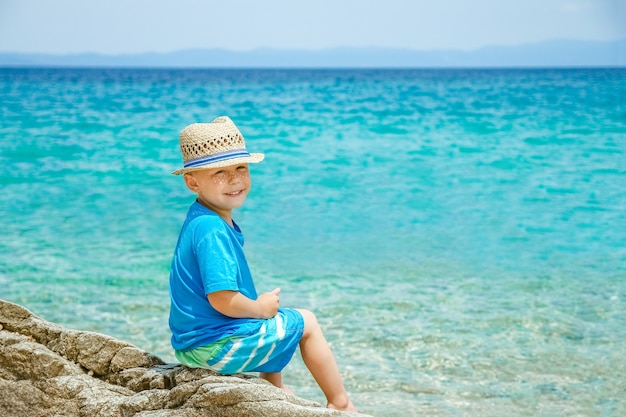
(460, 233)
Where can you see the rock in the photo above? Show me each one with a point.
(47, 370)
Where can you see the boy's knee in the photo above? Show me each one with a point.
(310, 321)
(308, 316)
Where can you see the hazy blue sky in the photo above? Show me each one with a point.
(129, 26)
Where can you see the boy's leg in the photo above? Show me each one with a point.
(275, 378)
(319, 359)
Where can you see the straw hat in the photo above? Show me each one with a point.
(213, 145)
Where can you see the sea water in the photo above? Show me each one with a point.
(460, 234)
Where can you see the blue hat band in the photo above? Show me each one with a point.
(216, 157)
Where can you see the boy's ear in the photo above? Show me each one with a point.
(191, 182)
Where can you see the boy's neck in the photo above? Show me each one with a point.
(224, 214)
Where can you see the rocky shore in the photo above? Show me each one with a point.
(47, 370)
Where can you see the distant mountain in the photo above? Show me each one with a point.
(558, 53)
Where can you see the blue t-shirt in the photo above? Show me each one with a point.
(208, 258)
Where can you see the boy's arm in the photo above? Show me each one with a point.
(235, 304)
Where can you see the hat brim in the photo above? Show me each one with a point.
(252, 159)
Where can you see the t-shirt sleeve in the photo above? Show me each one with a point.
(217, 261)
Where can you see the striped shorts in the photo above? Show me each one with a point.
(268, 350)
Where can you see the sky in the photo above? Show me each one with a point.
(136, 26)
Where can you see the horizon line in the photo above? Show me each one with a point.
(318, 49)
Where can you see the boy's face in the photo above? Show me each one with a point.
(221, 189)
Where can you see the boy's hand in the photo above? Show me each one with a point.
(268, 303)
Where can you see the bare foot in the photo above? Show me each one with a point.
(344, 406)
(287, 390)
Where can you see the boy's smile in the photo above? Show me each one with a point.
(221, 189)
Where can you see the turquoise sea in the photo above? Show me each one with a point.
(461, 234)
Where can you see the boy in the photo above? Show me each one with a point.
(216, 317)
